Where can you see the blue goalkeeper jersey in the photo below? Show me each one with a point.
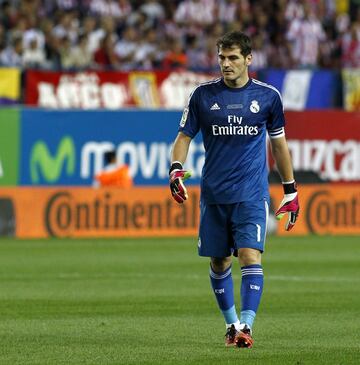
(234, 123)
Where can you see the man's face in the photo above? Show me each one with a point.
(232, 63)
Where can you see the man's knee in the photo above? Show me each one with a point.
(220, 264)
(249, 256)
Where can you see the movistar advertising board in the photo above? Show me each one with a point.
(9, 146)
(67, 147)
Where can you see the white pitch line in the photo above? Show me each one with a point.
(170, 276)
(312, 279)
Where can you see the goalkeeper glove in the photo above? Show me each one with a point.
(289, 204)
(177, 176)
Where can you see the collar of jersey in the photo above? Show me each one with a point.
(236, 89)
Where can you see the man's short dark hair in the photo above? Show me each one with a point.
(235, 39)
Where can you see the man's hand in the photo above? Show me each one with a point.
(177, 176)
(290, 205)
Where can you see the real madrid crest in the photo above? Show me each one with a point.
(255, 107)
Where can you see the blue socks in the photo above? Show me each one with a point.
(251, 290)
(222, 285)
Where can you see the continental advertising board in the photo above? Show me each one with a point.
(86, 212)
(150, 211)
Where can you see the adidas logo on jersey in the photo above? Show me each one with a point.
(215, 107)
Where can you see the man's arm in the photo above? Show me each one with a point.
(177, 175)
(180, 148)
(281, 154)
(289, 204)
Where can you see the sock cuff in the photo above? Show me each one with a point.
(252, 266)
(220, 275)
(247, 317)
(252, 270)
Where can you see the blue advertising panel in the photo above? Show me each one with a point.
(305, 89)
(68, 147)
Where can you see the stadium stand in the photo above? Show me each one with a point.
(156, 34)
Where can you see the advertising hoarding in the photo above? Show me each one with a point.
(151, 211)
(305, 89)
(10, 85)
(111, 89)
(351, 89)
(67, 147)
(9, 146)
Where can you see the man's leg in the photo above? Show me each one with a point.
(222, 284)
(215, 241)
(251, 290)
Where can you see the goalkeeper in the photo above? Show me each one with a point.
(234, 114)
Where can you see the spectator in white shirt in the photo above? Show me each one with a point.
(107, 26)
(117, 9)
(305, 35)
(80, 57)
(33, 31)
(200, 12)
(351, 48)
(125, 48)
(259, 53)
(226, 10)
(153, 9)
(88, 29)
(67, 27)
(294, 10)
(11, 56)
(67, 4)
(34, 56)
(145, 53)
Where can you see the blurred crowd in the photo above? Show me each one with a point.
(167, 34)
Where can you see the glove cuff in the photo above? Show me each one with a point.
(289, 187)
(175, 166)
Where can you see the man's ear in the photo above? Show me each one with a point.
(248, 59)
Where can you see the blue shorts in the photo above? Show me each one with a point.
(224, 228)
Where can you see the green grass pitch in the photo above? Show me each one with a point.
(148, 301)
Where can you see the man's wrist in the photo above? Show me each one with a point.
(176, 165)
(289, 187)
